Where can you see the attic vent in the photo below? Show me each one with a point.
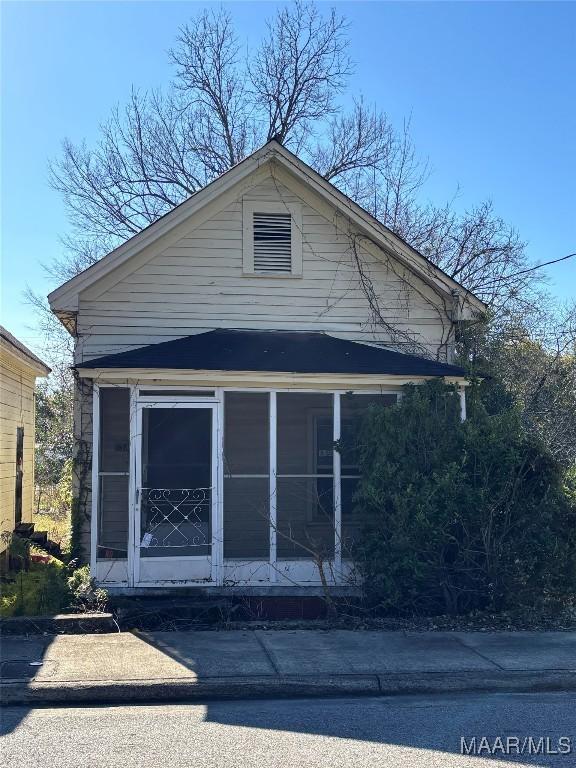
(272, 242)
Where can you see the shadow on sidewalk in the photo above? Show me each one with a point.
(189, 656)
(21, 659)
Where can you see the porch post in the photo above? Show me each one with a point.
(462, 393)
(133, 518)
(218, 523)
(337, 490)
(95, 479)
(272, 488)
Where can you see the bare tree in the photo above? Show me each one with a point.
(533, 354)
(214, 89)
(160, 148)
(299, 70)
(476, 248)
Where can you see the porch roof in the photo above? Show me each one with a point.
(273, 351)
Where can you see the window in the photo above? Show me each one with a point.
(19, 475)
(272, 241)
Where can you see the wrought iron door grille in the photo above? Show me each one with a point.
(175, 517)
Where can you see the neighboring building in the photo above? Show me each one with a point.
(220, 353)
(19, 369)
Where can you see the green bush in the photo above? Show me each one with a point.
(461, 516)
(48, 588)
(42, 590)
(86, 596)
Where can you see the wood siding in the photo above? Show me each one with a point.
(198, 284)
(17, 383)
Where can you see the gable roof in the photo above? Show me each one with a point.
(11, 344)
(273, 351)
(65, 298)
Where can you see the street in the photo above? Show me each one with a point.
(400, 731)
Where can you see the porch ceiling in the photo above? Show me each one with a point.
(273, 351)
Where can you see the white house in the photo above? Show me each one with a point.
(220, 353)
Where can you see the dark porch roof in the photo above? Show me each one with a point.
(273, 351)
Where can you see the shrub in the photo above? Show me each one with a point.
(47, 588)
(41, 590)
(86, 596)
(461, 516)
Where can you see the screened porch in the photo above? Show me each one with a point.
(225, 486)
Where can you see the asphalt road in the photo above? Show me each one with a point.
(400, 731)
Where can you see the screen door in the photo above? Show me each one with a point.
(175, 493)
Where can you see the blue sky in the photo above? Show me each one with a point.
(490, 87)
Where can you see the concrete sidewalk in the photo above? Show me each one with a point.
(161, 666)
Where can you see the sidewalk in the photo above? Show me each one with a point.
(163, 666)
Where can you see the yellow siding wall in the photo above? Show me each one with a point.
(17, 384)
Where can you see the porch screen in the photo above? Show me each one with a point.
(305, 472)
(353, 408)
(246, 475)
(113, 473)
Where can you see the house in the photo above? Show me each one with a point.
(220, 353)
(19, 368)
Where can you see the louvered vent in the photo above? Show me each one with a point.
(272, 243)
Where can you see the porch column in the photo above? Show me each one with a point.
(337, 489)
(218, 524)
(272, 487)
(95, 490)
(133, 490)
(462, 394)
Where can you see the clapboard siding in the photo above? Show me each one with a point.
(17, 385)
(197, 284)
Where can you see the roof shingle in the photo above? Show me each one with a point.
(273, 351)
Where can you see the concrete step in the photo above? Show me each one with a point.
(39, 537)
(53, 548)
(24, 530)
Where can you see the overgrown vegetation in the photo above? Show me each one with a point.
(38, 584)
(53, 457)
(40, 589)
(54, 440)
(532, 357)
(86, 595)
(462, 516)
(46, 589)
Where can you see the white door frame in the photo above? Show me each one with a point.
(136, 507)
